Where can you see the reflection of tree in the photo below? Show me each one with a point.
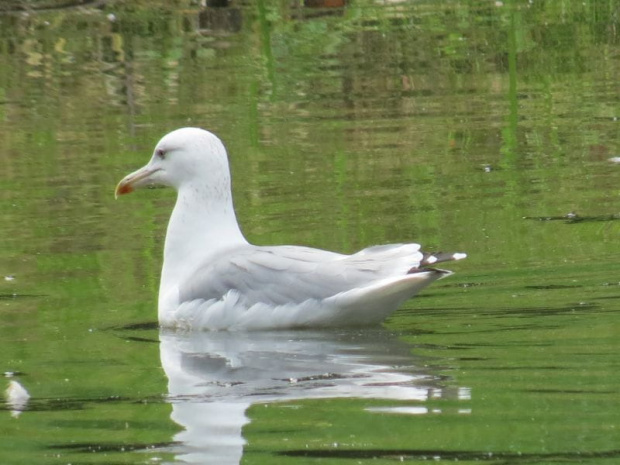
(362, 124)
(221, 20)
(351, 107)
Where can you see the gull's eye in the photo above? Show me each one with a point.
(161, 153)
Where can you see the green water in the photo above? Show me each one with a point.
(484, 127)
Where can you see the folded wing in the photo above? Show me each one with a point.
(289, 274)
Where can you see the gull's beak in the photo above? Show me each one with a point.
(134, 180)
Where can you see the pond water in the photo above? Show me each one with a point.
(486, 127)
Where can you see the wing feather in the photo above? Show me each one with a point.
(289, 274)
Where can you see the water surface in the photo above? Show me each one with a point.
(485, 127)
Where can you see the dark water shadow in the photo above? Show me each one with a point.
(21, 296)
(448, 455)
(122, 447)
(573, 218)
(55, 404)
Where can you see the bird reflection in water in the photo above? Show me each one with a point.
(214, 377)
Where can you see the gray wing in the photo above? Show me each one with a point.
(290, 274)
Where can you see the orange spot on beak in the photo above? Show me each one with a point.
(123, 189)
(133, 180)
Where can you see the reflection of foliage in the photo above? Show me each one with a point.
(48, 5)
(361, 103)
(346, 127)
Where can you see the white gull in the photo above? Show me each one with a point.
(212, 278)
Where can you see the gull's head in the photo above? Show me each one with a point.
(183, 156)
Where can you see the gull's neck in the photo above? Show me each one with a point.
(202, 223)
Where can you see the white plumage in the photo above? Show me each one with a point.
(212, 278)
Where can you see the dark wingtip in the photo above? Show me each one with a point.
(416, 269)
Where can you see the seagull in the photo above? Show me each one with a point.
(213, 279)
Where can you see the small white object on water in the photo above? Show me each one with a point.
(615, 159)
(16, 398)
(9, 278)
